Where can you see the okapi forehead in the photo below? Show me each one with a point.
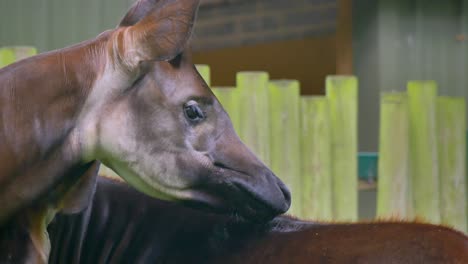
(178, 79)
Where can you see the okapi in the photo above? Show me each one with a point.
(132, 99)
(124, 226)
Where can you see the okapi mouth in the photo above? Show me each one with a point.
(248, 209)
(256, 209)
(236, 197)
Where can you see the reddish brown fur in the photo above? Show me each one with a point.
(379, 242)
(114, 230)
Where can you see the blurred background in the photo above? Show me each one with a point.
(384, 43)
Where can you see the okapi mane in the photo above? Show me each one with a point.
(395, 219)
(415, 220)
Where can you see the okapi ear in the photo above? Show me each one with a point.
(161, 35)
(138, 11)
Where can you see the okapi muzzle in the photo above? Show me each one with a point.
(262, 194)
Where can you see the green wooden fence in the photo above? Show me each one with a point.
(316, 173)
(342, 93)
(310, 142)
(300, 137)
(422, 97)
(423, 161)
(393, 197)
(9, 55)
(422, 154)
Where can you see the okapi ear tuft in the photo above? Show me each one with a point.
(160, 35)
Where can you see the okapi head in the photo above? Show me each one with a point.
(152, 119)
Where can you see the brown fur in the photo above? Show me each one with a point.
(114, 230)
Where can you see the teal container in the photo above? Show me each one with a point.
(368, 165)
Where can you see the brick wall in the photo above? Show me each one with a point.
(231, 23)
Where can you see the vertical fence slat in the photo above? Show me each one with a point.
(253, 106)
(452, 158)
(393, 195)
(284, 137)
(342, 92)
(9, 55)
(205, 72)
(227, 97)
(423, 149)
(316, 158)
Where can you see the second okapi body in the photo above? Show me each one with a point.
(132, 99)
(124, 226)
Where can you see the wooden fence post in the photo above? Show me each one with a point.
(423, 149)
(394, 189)
(342, 92)
(205, 72)
(254, 116)
(316, 158)
(227, 97)
(9, 55)
(284, 138)
(452, 159)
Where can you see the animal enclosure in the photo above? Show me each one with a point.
(311, 143)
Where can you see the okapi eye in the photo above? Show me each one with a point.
(193, 111)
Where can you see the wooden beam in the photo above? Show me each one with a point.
(342, 92)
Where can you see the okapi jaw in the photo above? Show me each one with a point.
(152, 119)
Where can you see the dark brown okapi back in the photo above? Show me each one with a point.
(123, 226)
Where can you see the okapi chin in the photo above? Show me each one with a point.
(132, 99)
(114, 230)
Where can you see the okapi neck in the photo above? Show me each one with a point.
(40, 101)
